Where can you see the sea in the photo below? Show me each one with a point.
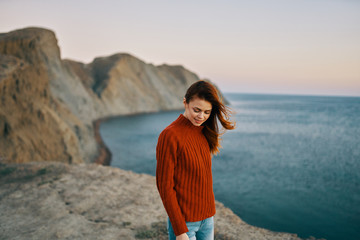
(291, 165)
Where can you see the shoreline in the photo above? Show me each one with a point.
(104, 153)
(93, 201)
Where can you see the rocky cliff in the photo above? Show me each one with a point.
(48, 105)
(34, 125)
(89, 201)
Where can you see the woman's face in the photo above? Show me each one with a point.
(197, 110)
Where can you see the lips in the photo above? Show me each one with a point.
(198, 121)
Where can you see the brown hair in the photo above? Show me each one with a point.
(206, 91)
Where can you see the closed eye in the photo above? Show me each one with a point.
(197, 110)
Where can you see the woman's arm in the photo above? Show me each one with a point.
(166, 154)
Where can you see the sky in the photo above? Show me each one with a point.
(307, 47)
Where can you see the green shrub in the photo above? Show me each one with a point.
(41, 171)
(7, 171)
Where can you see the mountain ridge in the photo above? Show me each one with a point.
(56, 101)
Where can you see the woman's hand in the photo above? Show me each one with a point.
(183, 236)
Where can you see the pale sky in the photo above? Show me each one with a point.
(307, 47)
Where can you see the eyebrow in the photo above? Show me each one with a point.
(201, 109)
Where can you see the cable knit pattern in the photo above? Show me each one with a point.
(183, 174)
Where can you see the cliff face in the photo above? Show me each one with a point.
(48, 105)
(123, 84)
(33, 124)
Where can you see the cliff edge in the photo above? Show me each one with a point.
(89, 201)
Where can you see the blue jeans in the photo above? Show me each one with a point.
(201, 230)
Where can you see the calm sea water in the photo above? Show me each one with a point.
(291, 165)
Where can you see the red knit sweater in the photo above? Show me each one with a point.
(183, 174)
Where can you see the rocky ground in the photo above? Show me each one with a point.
(88, 201)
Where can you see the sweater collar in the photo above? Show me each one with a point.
(183, 120)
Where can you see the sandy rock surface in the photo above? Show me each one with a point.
(89, 201)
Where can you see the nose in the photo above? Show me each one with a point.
(201, 115)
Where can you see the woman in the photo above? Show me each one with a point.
(183, 171)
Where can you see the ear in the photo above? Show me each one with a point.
(184, 101)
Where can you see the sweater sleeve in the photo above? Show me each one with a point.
(166, 154)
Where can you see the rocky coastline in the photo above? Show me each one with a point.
(55, 182)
